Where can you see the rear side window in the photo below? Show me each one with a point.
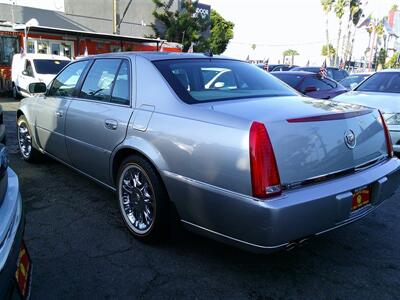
(120, 93)
(28, 68)
(64, 84)
(100, 79)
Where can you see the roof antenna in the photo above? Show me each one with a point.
(208, 53)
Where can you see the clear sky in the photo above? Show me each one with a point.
(277, 25)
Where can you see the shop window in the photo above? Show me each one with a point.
(8, 47)
(30, 47)
(55, 49)
(43, 47)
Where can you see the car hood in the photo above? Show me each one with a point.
(386, 102)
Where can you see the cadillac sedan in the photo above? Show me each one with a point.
(244, 160)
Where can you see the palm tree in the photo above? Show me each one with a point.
(290, 52)
(327, 7)
(355, 14)
(340, 8)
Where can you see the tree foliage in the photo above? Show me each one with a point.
(324, 51)
(221, 32)
(392, 63)
(179, 26)
(182, 27)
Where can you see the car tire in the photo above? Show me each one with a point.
(25, 145)
(16, 95)
(143, 200)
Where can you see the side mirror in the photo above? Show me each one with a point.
(310, 89)
(37, 88)
(25, 72)
(219, 85)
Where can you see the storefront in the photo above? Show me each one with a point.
(70, 43)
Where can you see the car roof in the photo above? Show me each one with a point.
(331, 68)
(154, 56)
(389, 71)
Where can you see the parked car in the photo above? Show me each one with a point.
(28, 68)
(382, 91)
(311, 84)
(277, 68)
(353, 80)
(15, 264)
(228, 160)
(334, 73)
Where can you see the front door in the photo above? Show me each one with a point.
(97, 120)
(52, 110)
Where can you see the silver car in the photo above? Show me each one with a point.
(382, 91)
(246, 160)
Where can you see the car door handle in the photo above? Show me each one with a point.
(111, 124)
(59, 114)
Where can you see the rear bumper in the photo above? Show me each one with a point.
(9, 247)
(266, 226)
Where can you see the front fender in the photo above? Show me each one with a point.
(28, 109)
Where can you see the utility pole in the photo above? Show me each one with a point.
(116, 21)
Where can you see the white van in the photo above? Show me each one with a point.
(29, 68)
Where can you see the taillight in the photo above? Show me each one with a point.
(387, 135)
(264, 171)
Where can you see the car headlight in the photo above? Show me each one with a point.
(392, 119)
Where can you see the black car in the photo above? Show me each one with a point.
(311, 84)
(334, 73)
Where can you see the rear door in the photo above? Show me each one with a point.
(50, 118)
(97, 120)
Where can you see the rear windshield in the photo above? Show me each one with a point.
(49, 66)
(204, 80)
(292, 80)
(381, 82)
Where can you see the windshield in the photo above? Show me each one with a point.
(204, 80)
(353, 79)
(381, 82)
(49, 66)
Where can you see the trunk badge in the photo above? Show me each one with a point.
(350, 139)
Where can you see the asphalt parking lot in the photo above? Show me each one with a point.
(81, 249)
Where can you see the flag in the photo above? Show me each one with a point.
(308, 63)
(86, 52)
(341, 64)
(248, 58)
(266, 65)
(322, 71)
(365, 23)
(190, 50)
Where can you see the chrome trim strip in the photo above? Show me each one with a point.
(232, 238)
(369, 164)
(208, 186)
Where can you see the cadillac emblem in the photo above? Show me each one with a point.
(350, 139)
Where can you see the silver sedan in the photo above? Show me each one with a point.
(241, 156)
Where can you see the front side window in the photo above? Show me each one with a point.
(100, 79)
(205, 80)
(28, 68)
(64, 84)
(386, 82)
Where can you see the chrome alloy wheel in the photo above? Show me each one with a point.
(136, 199)
(24, 140)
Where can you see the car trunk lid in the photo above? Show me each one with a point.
(312, 138)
